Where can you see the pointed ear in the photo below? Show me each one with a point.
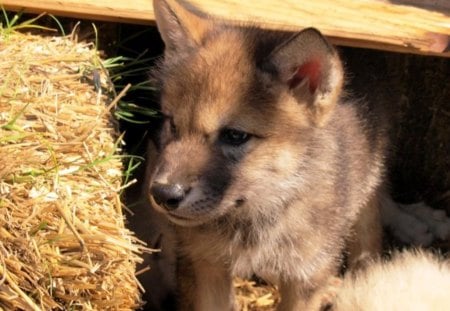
(179, 27)
(310, 67)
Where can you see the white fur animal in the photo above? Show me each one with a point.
(410, 281)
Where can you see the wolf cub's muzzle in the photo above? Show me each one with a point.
(169, 196)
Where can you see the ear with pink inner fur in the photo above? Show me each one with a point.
(310, 67)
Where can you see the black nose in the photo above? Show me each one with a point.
(168, 195)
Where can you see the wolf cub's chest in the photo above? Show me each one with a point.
(247, 248)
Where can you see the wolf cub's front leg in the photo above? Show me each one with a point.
(366, 240)
(204, 286)
(298, 295)
(292, 296)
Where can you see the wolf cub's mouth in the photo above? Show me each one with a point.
(171, 201)
(173, 215)
(180, 218)
(192, 210)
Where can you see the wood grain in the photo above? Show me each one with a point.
(362, 23)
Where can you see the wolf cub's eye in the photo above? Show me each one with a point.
(233, 137)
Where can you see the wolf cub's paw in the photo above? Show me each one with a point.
(325, 297)
(417, 224)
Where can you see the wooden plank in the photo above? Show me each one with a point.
(132, 11)
(362, 23)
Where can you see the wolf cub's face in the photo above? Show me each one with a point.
(239, 110)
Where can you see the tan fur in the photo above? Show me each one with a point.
(416, 281)
(284, 203)
(365, 240)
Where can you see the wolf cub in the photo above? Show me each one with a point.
(262, 168)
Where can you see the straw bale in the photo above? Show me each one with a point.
(63, 243)
(254, 296)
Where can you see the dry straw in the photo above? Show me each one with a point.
(255, 297)
(63, 243)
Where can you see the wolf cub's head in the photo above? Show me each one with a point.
(240, 105)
